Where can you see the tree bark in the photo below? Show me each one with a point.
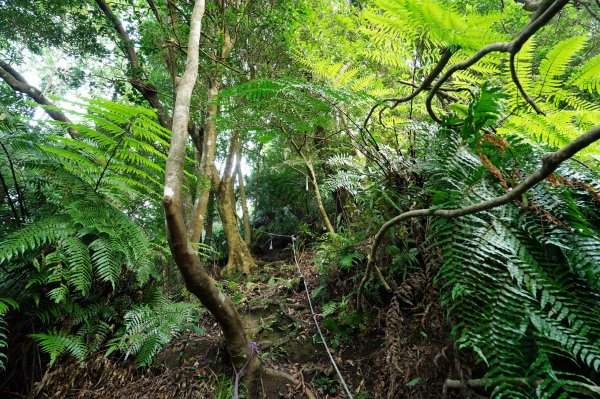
(243, 200)
(319, 199)
(240, 259)
(342, 198)
(195, 276)
(135, 73)
(209, 145)
(210, 217)
(207, 160)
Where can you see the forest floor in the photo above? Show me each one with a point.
(413, 362)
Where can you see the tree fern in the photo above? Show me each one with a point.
(440, 23)
(6, 304)
(555, 64)
(78, 260)
(118, 141)
(587, 76)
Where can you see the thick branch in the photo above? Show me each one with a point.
(550, 162)
(17, 82)
(504, 47)
(435, 72)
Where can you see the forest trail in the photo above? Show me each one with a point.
(276, 315)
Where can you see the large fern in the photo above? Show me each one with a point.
(120, 153)
(521, 280)
(440, 23)
(147, 329)
(555, 85)
(76, 256)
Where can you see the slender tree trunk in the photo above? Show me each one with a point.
(195, 276)
(209, 145)
(257, 180)
(207, 160)
(320, 207)
(210, 217)
(314, 182)
(239, 257)
(342, 198)
(243, 200)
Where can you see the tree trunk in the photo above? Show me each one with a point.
(239, 257)
(207, 159)
(210, 218)
(320, 207)
(342, 198)
(209, 145)
(195, 276)
(243, 200)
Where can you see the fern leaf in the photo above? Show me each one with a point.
(555, 64)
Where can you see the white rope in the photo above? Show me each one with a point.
(314, 316)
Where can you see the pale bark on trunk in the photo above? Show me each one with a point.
(239, 259)
(207, 160)
(208, 146)
(243, 200)
(319, 199)
(195, 276)
(312, 176)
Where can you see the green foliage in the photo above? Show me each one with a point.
(326, 384)
(438, 22)
(121, 153)
(522, 280)
(57, 342)
(226, 388)
(5, 305)
(287, 106)
(80, 259)
(147, 329)
(556, 84)
(336, 253)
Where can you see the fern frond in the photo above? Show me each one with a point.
(440, 23)
(587, 76)
(149, 329)
(78, 258)
(555, 64)
(57, 342)
(33, 236)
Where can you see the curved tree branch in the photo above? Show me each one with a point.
(148, 91)
(515, 78)
(545, 15)
(550, 162)
(17, 82)
(435, 72)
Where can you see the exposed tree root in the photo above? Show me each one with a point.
(297, 384)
